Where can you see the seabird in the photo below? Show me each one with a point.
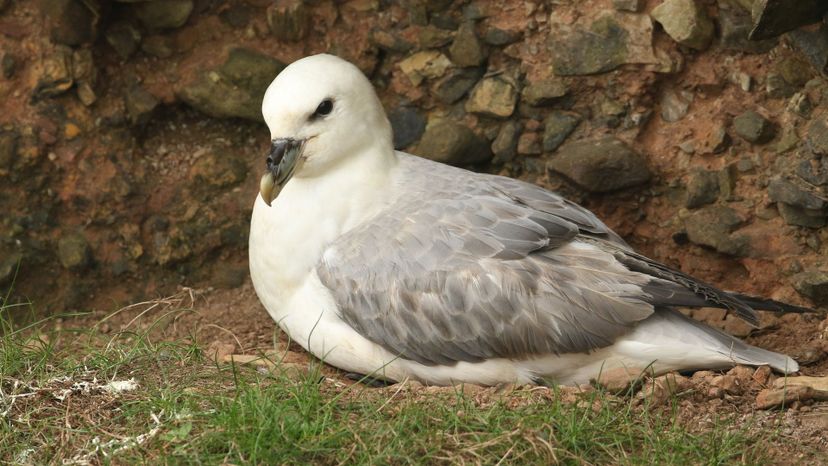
(394, 266)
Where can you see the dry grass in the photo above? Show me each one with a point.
(66, 398)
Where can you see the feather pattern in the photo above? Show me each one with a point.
(469, 267)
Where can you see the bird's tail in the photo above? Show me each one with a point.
(730, 348)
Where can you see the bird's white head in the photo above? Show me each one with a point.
(321, 110)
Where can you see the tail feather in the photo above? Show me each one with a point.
(731, 347)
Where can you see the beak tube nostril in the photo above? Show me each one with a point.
(281, 162)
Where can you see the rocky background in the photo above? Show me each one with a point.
(132, 142)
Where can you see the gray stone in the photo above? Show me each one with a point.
(504, 146)
(544, 92)
(814, 45)
(407, 125)
(431, 37)
(753, 128)
(713, 227)
(686, 22)
(495, 97)
(814, 171)
(601, 165)
(702, 188)
(236, 89)
(456, 84)
(124, 38)
(389, 41)
(789, 140)
(475, 11)
(628, 5)
(288, 20)
(74, 252)
(600, 49)
(735, 25)
(140, 104)
(499, 37)
(817, 137)
(71, 22)
(557, 127)
(8, 65)
(250, 70)
(450, 142)
(675, 105)
(8, 149)
(798, 216)
(238, 15)
(782, 190)
(774, 17)
(162, 14)
(794, 71)
(466, 50)
(56, 77)
(813, 285)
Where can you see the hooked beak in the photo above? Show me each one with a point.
(281, 164)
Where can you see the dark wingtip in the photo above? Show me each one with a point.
(762, 304)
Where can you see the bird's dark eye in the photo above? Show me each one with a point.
(325, 107)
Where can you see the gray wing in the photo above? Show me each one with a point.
(472, 279)
(487, 267)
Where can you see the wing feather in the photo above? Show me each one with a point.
(467, 267)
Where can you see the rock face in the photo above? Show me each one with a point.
(163, 14)
(713, 227)
(236, 88)
(798, 204)
(408, 125)
(288, 20)
(494, 97)
(601, 165)
(544, 92)
(557, 127)
(504, 146)
(702, 188)
(456, 84)
(466, 50)
(117, 121)
(813, 285)
(599, 49)
(450, 142)
(686, 22)
(74, 252)
(754, 128)
(71, 22)
(425, 65)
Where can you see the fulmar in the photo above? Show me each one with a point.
(393, 266)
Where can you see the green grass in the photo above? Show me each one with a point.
(190, 410)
